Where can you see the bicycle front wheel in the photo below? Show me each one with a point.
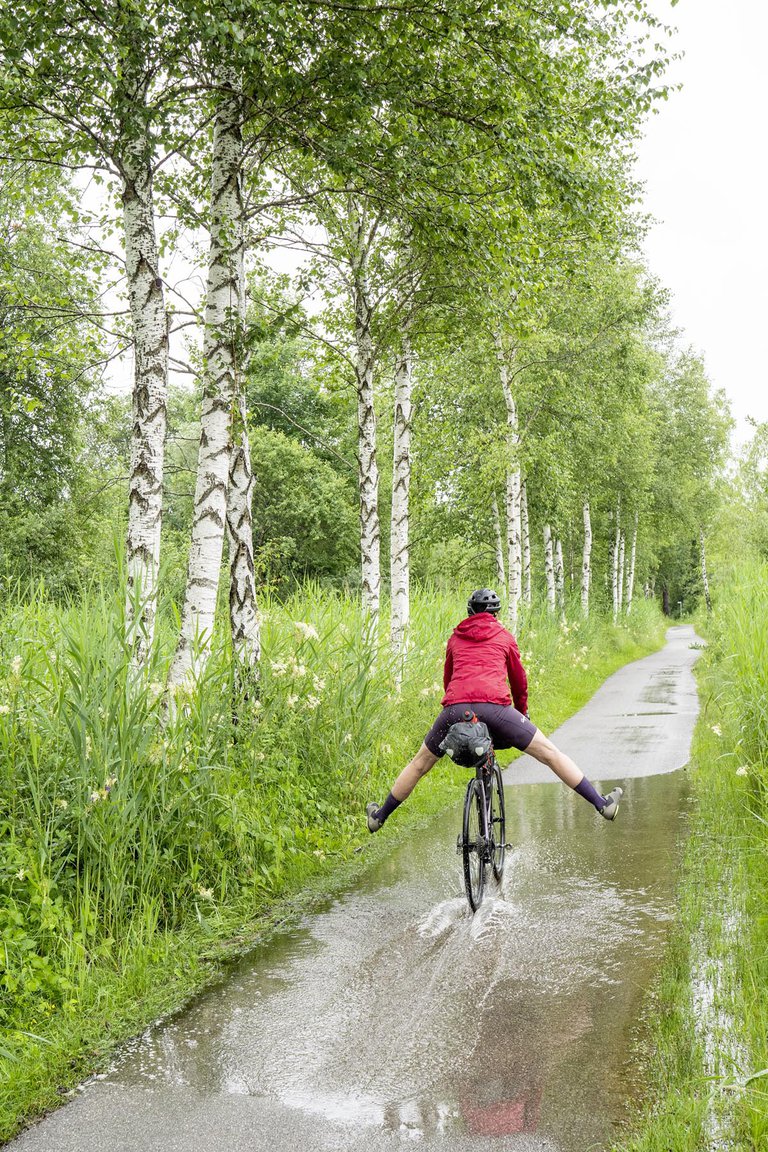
(473, 845)
(497, 822)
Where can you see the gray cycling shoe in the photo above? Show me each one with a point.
(373, 823)
(611, 807)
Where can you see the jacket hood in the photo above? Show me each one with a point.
(479, 627)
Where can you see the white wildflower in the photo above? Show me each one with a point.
(312, 702)
(717, 730)
(256, 706)
(205, 893)
(95, 797)
(742, 771)
(306, 631)
(155, 690)
(4, 709)
(292, 701)
(62, 804)
(21, 874)
(347, 738)
(319, 683)
(279, 667)
(386, 749)
(16, 666)
(426, 692)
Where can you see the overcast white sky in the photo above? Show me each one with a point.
(704, 165)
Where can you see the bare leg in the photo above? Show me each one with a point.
(413, 772)
(563, 767)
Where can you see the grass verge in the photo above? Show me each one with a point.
(706, 1046)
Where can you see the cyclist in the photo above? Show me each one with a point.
(482, 662)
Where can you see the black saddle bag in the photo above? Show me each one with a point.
(467, 743)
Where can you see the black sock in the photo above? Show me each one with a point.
(590, 793)
(388, 807)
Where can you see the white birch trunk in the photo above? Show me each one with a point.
(559, 579)
(512, 489)
(501, 578)
(631, 573)
(586, 561)
(401, 486)
(513, 544)
(621, 573)
(525, 533)
(243, 613)
(704, 576)
(150, 391)
(615, 564)
(549, 569)
(222, 313)
(368, 471)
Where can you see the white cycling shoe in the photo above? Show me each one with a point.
(611, 807)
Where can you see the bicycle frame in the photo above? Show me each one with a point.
(481, 842)
(483, 773)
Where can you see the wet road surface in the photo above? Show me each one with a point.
(392, 1016)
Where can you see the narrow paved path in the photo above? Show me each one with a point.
(638, 723)
(393, 1017)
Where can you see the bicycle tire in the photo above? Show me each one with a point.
(497, 824)
(473, 845)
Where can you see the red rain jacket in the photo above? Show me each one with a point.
(481, 656)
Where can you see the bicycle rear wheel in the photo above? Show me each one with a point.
(497, 822)
(473, 845)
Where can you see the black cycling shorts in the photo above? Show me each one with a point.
(508, 727)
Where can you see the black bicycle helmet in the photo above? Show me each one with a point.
(483, 600)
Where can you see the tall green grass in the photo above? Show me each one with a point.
(126, 822)
(709, 1032)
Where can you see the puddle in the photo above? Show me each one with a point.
(724, 1059)
(396, 1010)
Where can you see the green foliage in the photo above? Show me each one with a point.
(50, 347)
(742, 512)
(305, 516)
(708, 1043)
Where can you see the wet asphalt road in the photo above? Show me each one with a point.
(392, 1017)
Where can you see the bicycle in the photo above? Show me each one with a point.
(482, 840)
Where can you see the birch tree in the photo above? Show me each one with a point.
(223, 315)
(620, 574)
(632, 562)
(525, 532)
(704, 575)
(101, 80)
(559, 579)
(501, 579)
(549, 570)
(513, 483)
(150, 357)
(615, 552)
(586, 561)
(401, 484)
